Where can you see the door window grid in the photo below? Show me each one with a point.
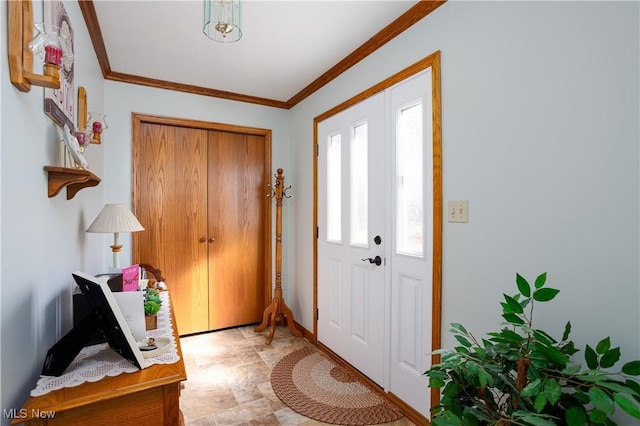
(409, 180)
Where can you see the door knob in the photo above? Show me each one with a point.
(211, 240)
(203, 240)
(377, 260)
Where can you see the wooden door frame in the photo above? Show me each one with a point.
(137, 119)
(432, 61)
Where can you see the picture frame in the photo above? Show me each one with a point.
(59, 103)
(105, 316)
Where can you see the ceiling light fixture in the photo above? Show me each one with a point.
(222, 20)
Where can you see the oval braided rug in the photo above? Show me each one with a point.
(311, 384)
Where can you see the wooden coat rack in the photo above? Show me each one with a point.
(278, 312)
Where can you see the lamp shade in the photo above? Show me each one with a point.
(115, 218)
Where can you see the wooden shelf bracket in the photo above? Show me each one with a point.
(73, 179)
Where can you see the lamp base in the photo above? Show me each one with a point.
(116, 248)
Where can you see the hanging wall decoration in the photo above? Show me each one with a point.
(59, 103)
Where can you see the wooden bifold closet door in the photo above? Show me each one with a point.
(200, 194)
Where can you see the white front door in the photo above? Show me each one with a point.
(375, 198)
(351, 290)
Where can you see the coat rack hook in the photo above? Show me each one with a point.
(272, 194)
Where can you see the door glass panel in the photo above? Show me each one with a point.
(409, 178)
(334, 188)
(359, 205)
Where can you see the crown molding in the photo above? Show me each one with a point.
(404, 21)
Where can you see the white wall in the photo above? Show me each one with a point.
(540, 134)
(43, 238)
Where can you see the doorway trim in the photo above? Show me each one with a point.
(432, 61)
(137, 119)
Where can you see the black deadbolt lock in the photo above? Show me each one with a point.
(377, 240)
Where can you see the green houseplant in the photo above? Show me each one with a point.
(521, 375)
(152, 305)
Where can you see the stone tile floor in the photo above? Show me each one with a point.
(228, 379)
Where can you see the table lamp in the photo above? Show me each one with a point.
(115, 218)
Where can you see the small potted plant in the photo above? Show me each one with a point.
(152, 304)
(521, 375)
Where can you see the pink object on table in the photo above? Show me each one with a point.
(130, 278)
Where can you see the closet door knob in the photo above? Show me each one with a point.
(211, 240)
(203, 240)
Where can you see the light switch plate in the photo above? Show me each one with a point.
(458, 211)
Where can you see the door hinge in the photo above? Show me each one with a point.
(317, 232)
(317, 314)
(317, 150)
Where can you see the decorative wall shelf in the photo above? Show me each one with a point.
(73, 179)
(20, 29)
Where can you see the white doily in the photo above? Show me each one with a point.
(96, 362)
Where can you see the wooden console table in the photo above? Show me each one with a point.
(147, 397)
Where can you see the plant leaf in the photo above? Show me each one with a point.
(473, 412)
(483, 378)
(572, 370)
(610, 358)
(436, 374)
(576, 416)
(567, 331)
(603, 345)
(544, 337)
(545, 294)
(597, 416)
(552, 355)
(514, 306)
(540, 280)
(513, 319)
(469, 418)
(592, 378)
(532, 388)
(627, 405)
(537, 421)
(617, 387)
(552, 391)
(446, 419)
(591, 357)
(632, 368)
(601, 400)
(569, 348)
(540, 402)
(458, 328)
(463, 341)
(523, 286)
(435, 382)
(506, 336)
